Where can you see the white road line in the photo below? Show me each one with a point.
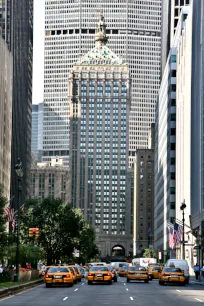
(199, 300)
(76, 289)
(178, 290)
(65, 298)
(82, 284)
(124, 284)
(131, 298)
(127, 289)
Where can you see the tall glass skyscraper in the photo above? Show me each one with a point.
(99, 99)
(134, 29)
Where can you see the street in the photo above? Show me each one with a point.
(117, 294)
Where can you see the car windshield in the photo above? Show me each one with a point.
(156, 269)
(172, 270)
(98, 269)
(132, 269)
(140, 268)
(57, 269)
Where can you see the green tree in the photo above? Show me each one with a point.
(61, 229)
(149, 253)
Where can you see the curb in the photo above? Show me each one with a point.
(196, 283)
(16, 289)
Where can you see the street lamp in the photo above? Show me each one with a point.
(182, 207)
(19, 173)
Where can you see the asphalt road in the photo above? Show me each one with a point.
(117, 294)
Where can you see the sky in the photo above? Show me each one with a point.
(38, 51)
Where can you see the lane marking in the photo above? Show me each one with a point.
(65, 298)
(124, 284)
(76, 289)
(82, 284)
(127, 289)
(178, 290)
(199, 300)
(131, 298)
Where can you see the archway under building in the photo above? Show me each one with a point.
(118, 250)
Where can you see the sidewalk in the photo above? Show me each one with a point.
(193, 280)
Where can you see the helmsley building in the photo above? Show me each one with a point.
(99, 100)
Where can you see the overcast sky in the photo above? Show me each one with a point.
(38, 51)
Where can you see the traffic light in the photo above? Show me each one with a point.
(36, 232)
(30, 232)
(33, 232)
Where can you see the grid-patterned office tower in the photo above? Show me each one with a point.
(99, 98)
(134, 29)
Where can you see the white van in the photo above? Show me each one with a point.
(182, 264)
(143, 262)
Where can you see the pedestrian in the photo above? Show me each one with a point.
(202, 271)
(1, 269)
(197, 270)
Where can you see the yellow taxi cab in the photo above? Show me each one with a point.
(78, 273)
(123, 270)
(58, 275)
(99, 274)
(172, 275)
(74, 274)
(154, 272)
(137, 273)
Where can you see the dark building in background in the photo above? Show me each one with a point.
(16, 22)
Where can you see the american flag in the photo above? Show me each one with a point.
(9, 213)
(171, 237)
(178, 233)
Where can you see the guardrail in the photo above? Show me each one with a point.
(18, 288)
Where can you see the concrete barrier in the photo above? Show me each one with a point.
(27, 275)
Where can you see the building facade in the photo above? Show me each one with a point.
(5, 116)
(36, 136)
(22, 49)
(50, 180)
(99, 99)
(134, 29)
(16, 28)
(165, 148)
(176, 8)
(143, 212)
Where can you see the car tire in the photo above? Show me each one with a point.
(71, 285)
(79, 280)
(48, 285)
(115, 280)
(146, 281)
(161, 283)
(75, 282)
(89, 282)
(128, 280)
(110, 282)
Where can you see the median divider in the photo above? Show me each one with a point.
(4, 292)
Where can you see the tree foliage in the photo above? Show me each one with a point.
(61, 230)
(151, 253)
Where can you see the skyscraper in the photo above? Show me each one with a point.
(99, 98)
(16, 23)
(134, 29)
